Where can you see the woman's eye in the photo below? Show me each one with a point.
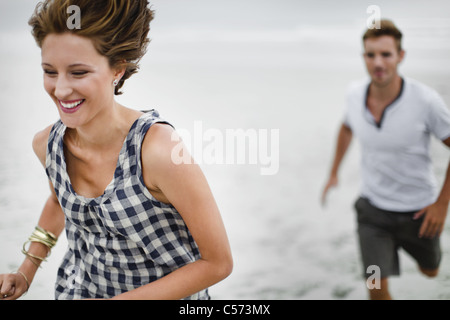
(50, 72)
(79, 73)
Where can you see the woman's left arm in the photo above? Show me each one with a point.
(186, 188)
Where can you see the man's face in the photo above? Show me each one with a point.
(382, 57)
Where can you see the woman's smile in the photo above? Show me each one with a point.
(71, 106)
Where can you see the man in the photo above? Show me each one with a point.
(400, 204)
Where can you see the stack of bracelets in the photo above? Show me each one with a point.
(42, 236)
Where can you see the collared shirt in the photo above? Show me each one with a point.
(396, 167)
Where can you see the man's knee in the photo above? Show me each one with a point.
(429, 272)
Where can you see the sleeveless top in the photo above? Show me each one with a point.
(123, 239)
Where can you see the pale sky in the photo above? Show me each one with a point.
(254, 14)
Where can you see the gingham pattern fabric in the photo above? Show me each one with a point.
(123, 239)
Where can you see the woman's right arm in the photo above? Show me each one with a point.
(14, 285)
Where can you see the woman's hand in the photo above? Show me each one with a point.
(12, 286)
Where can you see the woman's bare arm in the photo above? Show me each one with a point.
(186, 188)
(52, 219)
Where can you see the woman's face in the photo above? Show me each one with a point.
(77, 78)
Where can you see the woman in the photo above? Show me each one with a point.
(138, 225)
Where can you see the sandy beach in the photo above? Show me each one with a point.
(257, 65)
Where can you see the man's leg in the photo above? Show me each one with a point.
(382, 293)
(377, 246)
(426, 251)
(429, 272)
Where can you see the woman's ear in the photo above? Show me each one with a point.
(120, 69)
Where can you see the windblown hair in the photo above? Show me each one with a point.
(118, 28)
(387, 28)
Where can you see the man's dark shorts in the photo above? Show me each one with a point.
(382, 233)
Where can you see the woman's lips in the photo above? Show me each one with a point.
(71, 106)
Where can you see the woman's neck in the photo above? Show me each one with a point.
(107, 128)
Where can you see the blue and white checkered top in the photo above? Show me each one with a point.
(123, 239)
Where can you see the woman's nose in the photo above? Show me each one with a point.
(62, 88)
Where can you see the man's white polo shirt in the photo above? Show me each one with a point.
(396, 167)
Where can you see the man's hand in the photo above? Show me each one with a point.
(332, 182)
(434, 220)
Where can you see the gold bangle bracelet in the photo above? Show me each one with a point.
(47, 233)
(25, 252)
(44, 237)
(34, 262)
(26, 279)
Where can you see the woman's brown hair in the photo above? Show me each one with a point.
(118, 28)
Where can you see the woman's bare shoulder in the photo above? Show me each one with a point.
(40, 141)
(157, 147)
